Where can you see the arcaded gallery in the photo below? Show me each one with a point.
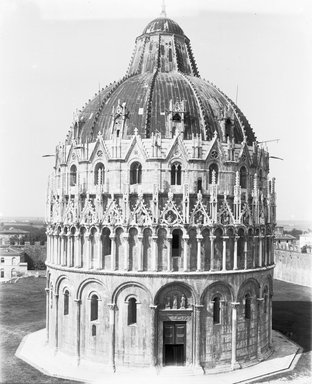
(160, 220)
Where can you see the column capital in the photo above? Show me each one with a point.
(199, 237)
(198, 307)
(56, 295)
(78, 301)
(225, 237)
(112, 306)
(235, 304)
(260, 300)
(153, 307)
(112, 237)
(212, 237)
(185, 237)
(47, 290)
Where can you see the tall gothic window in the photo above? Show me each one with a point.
(73, 175)
(176, 171)
(136, 173)
(213, 169)
(66, 302)
(99, 174)
(243, 177)
(132, 311)
(247, 306)
(216, 310)
(2, 272)
(94, 307)
(176, 242)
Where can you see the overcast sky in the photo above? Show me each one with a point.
(56, 53)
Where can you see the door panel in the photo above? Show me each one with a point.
(174, 343)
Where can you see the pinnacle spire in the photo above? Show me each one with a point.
(163, 9)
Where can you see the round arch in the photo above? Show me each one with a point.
(128, 284)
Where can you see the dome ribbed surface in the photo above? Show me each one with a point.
(163, 24)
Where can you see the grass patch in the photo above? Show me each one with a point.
(22, 311)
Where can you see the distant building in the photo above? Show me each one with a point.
(6, 234)
(283, 240)
(11, 264)
(305, 240)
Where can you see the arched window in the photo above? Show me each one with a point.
(216, 310)
(176, 242)
(59, 178)
(132, 311)
(94, 307)
(243, 177)
(2, 272)
(66, 302)
(266, 303)
(176, 171)
(213, 171)
(93, 330)
(99, 174)
(73, 175)
(199, 184)
(247, 306)
(2, 259)
(136, 173)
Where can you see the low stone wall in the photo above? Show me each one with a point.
(293, 267)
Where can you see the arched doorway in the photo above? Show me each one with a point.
(175, 328)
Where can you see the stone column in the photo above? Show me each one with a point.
(126, 250)
(253, 254)
(270, 320)
(260, 251)
(154, 253)
(153, 336)
(259, 320)
(198, 308)
(78, 315)
(140, 253)
(224, 253)
(212, 252)
(185, 253)
(235, 252)
(266, 249)
(56, 321)
(77, 250)
(169, 249)
(68, 258)
(246, 253)
(48, 247)
(47, 291)
(57, 258)
(98, 251)
(62, 246)
(113, 252)
(234, 363)
(87, 256)
(112, 308)
(199, 258)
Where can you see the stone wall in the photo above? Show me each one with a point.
(293, 267)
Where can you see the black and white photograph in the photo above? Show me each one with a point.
(155, 209)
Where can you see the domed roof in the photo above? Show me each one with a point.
(163, 24)
(162, 79)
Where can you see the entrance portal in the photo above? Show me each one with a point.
(174, 342)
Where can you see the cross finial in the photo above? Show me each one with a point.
(163, 9)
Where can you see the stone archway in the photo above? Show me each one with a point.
(175, 325)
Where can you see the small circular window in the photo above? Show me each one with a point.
(214, 154)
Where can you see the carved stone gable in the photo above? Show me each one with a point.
(170, 214)
(113, 214)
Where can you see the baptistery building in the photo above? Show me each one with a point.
(160, 219)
